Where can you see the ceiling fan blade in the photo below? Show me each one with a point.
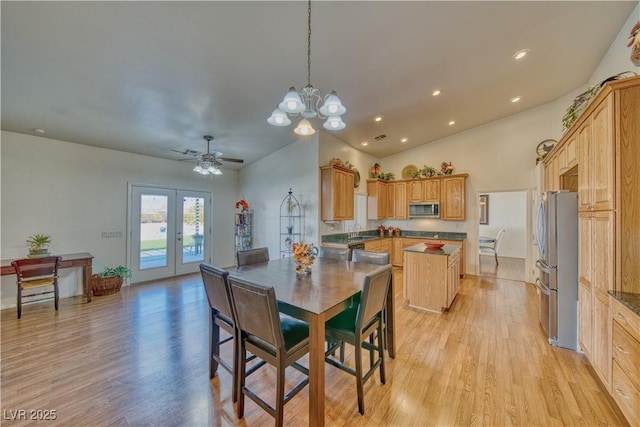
(229, 159)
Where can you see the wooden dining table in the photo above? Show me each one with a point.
(316, 298)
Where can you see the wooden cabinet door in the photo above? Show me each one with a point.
(585, 312)
(548, 176)
(396, 251)
(571, 151)
(601, 360)
(603, 160)
(415, 192)
(453, 199)
(390, 201)
(336, 196)
(561, 158)
(584, 160)
(432, 190)
(585, 233)
(401, 200)
(602, 248)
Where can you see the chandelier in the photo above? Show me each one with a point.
(206, 167)
(307, 102)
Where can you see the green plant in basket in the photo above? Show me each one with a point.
(120, 271)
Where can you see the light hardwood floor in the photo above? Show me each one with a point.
(509, 268)
(139, 358)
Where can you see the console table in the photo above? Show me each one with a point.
(83, 259)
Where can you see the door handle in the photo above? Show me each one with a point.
(542, 266)
(542, 286)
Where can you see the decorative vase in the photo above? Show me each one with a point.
(303, 269)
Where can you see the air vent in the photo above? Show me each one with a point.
(380, 137)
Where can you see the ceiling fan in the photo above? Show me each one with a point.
(208, 162)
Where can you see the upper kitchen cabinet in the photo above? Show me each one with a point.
(337, 193)
(401, 200)
(453, 200)
(380, 199)
(423, 190)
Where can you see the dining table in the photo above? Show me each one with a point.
(315, 298)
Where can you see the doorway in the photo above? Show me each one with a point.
(170, 232)
(508, 210)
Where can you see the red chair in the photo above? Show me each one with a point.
(37, 273)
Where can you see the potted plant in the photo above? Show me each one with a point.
(109, 281)
(38, 245)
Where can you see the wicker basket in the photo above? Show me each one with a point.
(105, 285)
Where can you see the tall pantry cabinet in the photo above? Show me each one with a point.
(607, 135)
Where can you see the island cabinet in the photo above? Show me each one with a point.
(452, 203)
(336, 203)
(625, 348)
(431, 277)
(404, 242)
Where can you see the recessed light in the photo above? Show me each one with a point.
(377, 119)
(436, 92)
(38, 130)
(452, 122)
(520, 54)
(516, 99)
(364, 143)
(404, 139)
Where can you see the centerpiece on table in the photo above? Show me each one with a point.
(304, 254)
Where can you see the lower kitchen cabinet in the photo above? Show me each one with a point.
(585, 311)
(625, 350)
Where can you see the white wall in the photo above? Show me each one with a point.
(508, 210)
(266, 183)
(73, 192)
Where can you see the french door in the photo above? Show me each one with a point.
(170, 232)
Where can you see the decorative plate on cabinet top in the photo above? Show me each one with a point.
(409, 171)
(544, 147)
(356, 179)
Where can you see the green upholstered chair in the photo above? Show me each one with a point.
(274, 337)
(362, 326)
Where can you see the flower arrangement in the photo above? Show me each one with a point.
(446, 168)
(242, 205)
(304, 254)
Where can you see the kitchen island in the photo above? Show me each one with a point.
(431, 276)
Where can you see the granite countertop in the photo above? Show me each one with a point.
(370, 235)
(421, 248)
(628, 299)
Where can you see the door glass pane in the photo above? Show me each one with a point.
(153, 231)
(193, 229)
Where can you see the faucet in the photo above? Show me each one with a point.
(354, 230)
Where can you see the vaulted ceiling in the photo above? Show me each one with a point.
(151, 77)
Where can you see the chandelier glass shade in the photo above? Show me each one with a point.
(309, 103)
(206, 167)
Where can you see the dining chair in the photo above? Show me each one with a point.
(362, 327)
(274, 337)
(370, 257)
(37, 274)
(493, 249)
(216, 286)
(252, 256)
(342, 254)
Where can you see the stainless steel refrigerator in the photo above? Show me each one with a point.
(556, 234)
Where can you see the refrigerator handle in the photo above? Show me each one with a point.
(542, 287)
(544, 267)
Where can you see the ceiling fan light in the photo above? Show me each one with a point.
(304, 128)
(216, 171)
(334, 123)
(292, 103)
(279, 118)
(198, 168)
(332, 105)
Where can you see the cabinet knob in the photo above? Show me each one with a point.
(621, 393)
(621, 349)
(621, 316)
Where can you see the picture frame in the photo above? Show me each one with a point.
(484, 208)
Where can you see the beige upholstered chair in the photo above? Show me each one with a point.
(34, 275)
(493, 249)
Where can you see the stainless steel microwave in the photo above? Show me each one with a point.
(424, 210)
